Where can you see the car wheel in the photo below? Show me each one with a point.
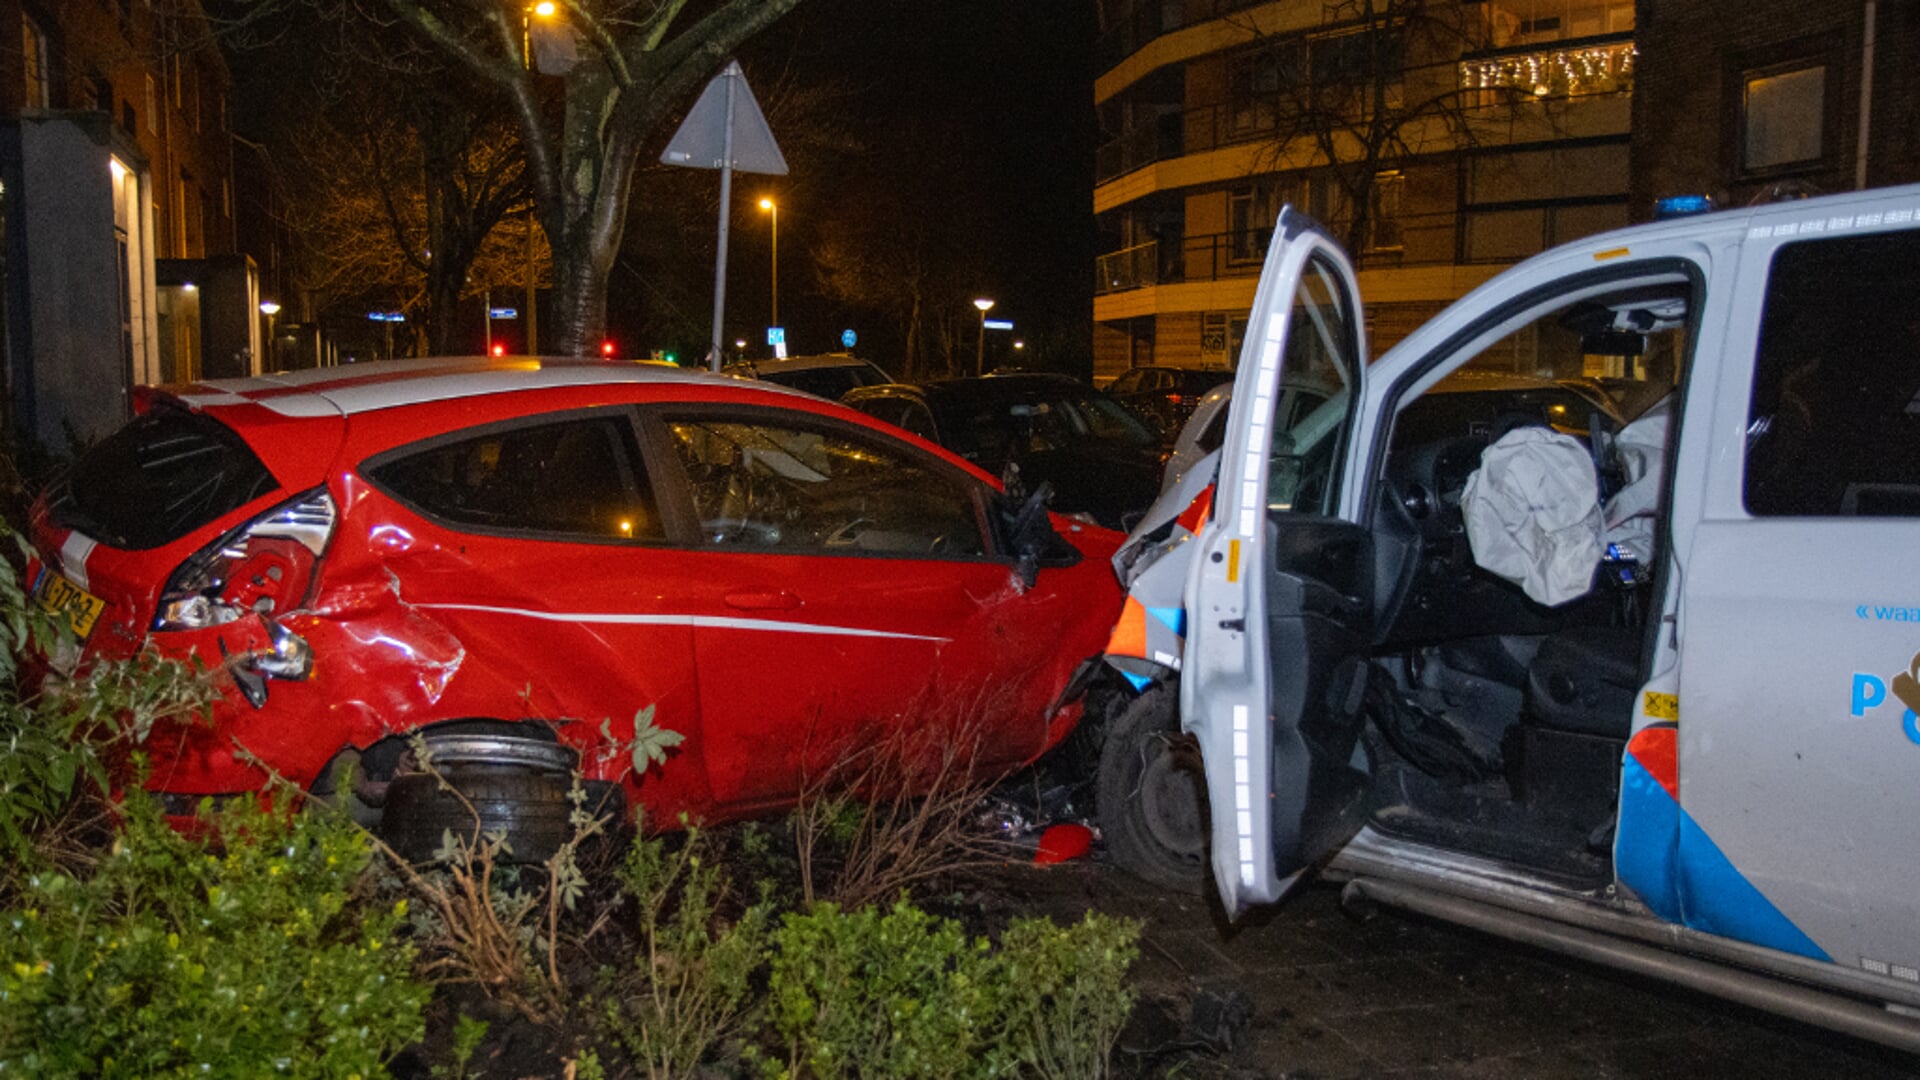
(337, 787)
(530, 807)
(1153, 795)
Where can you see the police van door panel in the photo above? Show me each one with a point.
(1279, 594)
(1799, 622)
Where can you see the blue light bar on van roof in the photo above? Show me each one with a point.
(1674, 206)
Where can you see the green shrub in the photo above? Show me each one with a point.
(56, 738)
(687, 988)
(240, 955)
(1066, 993)
(902, 993)
(875, 994)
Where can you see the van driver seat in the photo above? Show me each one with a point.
(1583, 681)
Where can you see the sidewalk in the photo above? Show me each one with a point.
(1333, 998)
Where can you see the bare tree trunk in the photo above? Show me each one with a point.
(579, 307)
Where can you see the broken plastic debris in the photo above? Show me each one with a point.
(1062, 843)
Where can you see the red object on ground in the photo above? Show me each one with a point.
(1061, 843)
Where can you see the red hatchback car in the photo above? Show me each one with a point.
(460, 546)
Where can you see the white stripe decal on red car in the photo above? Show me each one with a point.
(710, 622)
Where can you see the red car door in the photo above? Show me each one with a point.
(849, 593)
(529, 576)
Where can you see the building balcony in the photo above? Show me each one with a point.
(1484, 235)
(1574, 68)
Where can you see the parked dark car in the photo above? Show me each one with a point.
(828, 375)
(1102, 460)
(1164, 396)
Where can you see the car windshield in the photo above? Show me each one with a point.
(985, 429)
(1481, 412)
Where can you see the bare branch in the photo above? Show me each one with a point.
(603, 41)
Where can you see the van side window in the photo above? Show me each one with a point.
(1833, 428)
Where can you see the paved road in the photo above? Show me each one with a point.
(1397, 996)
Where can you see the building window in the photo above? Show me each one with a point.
(1383, 211)
(33, 63)
(1783, 114)
(153, 106)
(1254, 83)
(1250, 216)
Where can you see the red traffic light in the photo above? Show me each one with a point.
(606, 348)
(499, 350)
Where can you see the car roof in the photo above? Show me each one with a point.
(802, 363)
(1011, 387)
(388, 384)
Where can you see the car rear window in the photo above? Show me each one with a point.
(159, 478)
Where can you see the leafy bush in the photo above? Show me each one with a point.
(1066, 993)
(56, 739)
(903, 993)
(689, 984)
(175, 957)
(876, 994)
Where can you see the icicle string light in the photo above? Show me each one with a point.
(1554, 72)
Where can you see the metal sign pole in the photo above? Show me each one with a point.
(726, 207)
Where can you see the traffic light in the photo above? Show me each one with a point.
(606, 348)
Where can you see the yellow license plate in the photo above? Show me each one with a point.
(58, 596)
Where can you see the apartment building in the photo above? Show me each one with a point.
(1443, 140)
(119, 260)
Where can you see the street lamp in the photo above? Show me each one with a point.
(980, 352)
(269, 308)
(773, 208)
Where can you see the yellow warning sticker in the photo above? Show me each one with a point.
(1662, 706)
(1233, 561)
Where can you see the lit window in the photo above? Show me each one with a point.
(33, 62)
(1783, 115)
(1383, 226)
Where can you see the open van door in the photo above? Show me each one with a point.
(1280, 597)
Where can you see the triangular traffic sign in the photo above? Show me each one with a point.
(702, 143)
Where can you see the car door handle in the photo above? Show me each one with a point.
(769, 600)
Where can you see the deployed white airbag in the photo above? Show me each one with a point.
(1533, 513)
(1641, 449)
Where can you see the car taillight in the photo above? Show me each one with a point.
(264, 566)
(1173, 399)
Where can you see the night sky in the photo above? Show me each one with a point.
(980, 111)
(975, 115)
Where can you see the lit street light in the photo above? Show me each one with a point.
(773, 208)
(270, 309)
(980, 352)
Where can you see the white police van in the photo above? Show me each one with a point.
(1703, 763)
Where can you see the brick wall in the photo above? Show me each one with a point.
(1694, 59)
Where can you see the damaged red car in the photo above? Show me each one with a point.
(517, 558)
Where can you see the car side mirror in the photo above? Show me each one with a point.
(1030, 534)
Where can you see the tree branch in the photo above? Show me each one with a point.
(603, 41)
